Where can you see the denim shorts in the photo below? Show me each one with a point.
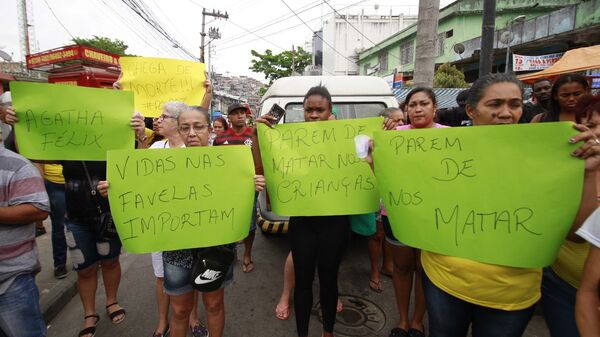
(86, 248)
(389, 235)
(177, 279)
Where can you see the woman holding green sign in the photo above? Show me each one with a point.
(317, 242)
(421, 106)
(496, 300)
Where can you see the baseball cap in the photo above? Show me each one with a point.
(236, 106)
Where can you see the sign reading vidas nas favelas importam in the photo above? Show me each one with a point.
(498, 194)
(168, 199)
(62, 122)
(155, 81)
(312, 169)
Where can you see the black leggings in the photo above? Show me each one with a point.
(317, 242)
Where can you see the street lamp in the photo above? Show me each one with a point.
(507, 37)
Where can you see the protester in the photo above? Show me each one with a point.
(220, 125)
(90, 252)
(316, 241)
(23, 200)
(588, 296)
(421, 107)
(541, 97)
(496, 300)
(565, 94)
(561, 280)
(166, 126)
(55, 186)
(456, 116)
(177, 264)
(240, 134)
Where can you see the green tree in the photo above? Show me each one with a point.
(447, 76)
(115, 46)
(275, 66)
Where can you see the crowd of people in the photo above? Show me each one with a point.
(456, 294)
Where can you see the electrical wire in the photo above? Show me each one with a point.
(325, 42)
(57, 19)
(359, 32)
(285, 29)
(129, 23)
(260, 37)
(151, 20)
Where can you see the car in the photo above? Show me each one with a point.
(352, 97)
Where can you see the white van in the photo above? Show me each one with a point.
(352, 97)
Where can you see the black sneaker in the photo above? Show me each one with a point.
(60, 272)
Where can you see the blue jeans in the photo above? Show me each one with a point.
(558, 302)
(450, 316)
(20, 314)
(56, 193)
(86, 247)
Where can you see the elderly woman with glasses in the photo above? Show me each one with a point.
(193, 129)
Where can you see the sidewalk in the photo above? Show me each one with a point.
(54, 293)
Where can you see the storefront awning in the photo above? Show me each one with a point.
(579, 59)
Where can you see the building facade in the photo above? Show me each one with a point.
(344, 32)
(536, 27)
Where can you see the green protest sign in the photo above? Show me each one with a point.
(168, 199)
(504, 195)
(62, 122)
(312, 168)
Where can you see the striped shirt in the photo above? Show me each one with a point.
(20, 183)
(229, 137)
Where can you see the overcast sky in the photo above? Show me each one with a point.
(182, 19)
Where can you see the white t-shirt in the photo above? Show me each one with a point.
(590, 230)
(162, 144)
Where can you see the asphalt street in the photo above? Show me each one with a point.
(251, 299)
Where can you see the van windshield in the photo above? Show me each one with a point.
(294, 112)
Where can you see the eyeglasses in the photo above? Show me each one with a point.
(163, 117)
(198, 128)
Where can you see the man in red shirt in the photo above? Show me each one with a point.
(240, 134)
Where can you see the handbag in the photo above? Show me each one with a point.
(210, 266)
(105, 226)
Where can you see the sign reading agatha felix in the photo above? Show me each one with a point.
(60, 122)
(167, 199)
(497, 194)
(312, 168)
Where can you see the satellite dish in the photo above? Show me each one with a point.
(506, 37)
(459, 48)
(5, 56)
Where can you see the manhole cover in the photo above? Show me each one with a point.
(360, 317)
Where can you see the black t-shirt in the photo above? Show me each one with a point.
(529, 111)
(81, 204)
(454, 117)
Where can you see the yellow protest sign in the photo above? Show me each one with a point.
(155, 81)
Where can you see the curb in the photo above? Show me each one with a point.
(52, 302)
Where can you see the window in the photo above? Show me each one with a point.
(450, 33)
(366, 69)
(383, 61)
(294, 112)
(406, 52)
(439, 44)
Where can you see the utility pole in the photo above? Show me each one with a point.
(213, 34)
(425, 51)
(488, 26)
(292, 60)
(216, 14)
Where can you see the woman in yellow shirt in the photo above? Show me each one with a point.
(495, 300)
